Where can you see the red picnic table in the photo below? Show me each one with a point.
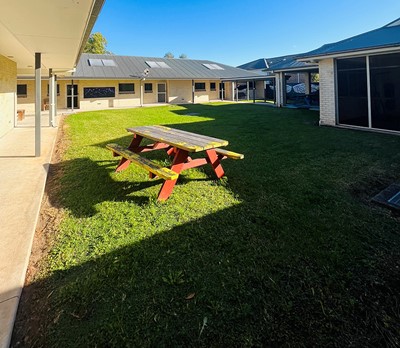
(176, 143)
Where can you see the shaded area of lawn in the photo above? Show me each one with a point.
(285, 250)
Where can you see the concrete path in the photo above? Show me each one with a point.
(22, 182)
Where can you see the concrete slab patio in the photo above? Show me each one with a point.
(22, 183)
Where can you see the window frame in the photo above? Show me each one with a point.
(213, 88)
(25, 95)
(147, 84)
(97, 97)
(198, 89)
(126, 92)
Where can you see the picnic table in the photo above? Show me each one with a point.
(178, 144)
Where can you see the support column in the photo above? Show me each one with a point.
(51, 99)
(248, 91)
(280, 87)
(307, 83)
(141, 92)
(72, 95)
(192, 91)
(55, 102)
(38, 103)
(237, 91)
(284, 89)
(254, 91)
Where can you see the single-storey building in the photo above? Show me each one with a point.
(360, 80)
(107, 81)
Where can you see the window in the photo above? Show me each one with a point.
(99, 92)
(157, 65)
(199, 86)
(22, 91)
(58, 89)
(126, 88)
(352, 91)
(148, 88)
(385, 91)
(212, 86)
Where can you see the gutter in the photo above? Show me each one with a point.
(94, 14)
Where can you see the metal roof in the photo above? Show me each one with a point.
(128, 67)
(282, 63)
(290, 63)
(387, 36)
(255, 65)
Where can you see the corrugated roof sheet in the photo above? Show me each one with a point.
(255, 65)
(128, 67)
(387, 36)
(289, 63)
(277, 63)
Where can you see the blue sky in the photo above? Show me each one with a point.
(235, 32)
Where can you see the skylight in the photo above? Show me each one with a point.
(108, 62)
(95, 62)
(101, 62)
(213, 67)
(158, 65)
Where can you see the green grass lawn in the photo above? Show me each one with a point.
(286, 250)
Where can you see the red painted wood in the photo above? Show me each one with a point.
(177, 166)
(152, 147)
(197, 162)
(215, 163)
(171, 151)
(133, 146)
(123, 164)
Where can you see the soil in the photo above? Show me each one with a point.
(33, 309)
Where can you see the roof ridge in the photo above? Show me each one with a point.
(395, 23)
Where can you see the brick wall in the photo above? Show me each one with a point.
(8, 94)
(327, 115)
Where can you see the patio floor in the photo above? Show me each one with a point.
(22, 183)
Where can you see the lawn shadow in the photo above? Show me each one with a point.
(221, 280)
(86, 182)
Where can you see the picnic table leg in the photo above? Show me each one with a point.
(177, 166)
(215, 163)
(124, 163)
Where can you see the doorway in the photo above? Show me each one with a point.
(72, 96)
(161, 92)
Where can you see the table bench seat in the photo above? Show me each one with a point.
(229, 154)
(147, 164)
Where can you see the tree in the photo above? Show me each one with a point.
(314, 77)
(169, 55)
(183, 56)
(96, 44)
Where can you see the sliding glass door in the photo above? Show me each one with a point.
(379, 108)
(385, 91)
(352, 91)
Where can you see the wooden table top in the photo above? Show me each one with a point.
(181, 139)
